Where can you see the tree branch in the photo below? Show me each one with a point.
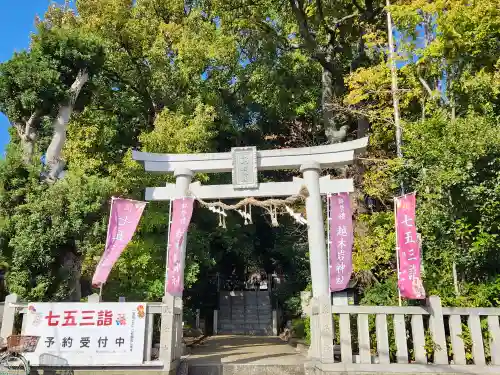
(27, 134)
(31, 123)
(81, 79)
(303, 26)
(426, 86)
(310, 41)
(322, 18)
(19, 128)
(138, 67)
(60, 125)
(270, 30)
(358, 7)
(336, 23)
(343, 19)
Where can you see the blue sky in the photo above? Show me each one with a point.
(17, 24)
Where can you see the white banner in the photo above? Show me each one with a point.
(86, 334)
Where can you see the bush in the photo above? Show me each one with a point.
(307, 327)
(299, 328)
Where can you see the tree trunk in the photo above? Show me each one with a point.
(28, 144)
(53, 155)
(363, 127)
(73, 268)
(333, 133)
(27, 134)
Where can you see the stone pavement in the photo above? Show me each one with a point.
(256, 350)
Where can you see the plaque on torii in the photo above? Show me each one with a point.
(244, 171)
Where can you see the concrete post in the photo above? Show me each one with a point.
(314, 351)
(179, 329)
(197, 324)
(305, 302)
(436, 325)
(316, 230)
(9, 315)
(275, 322)
(94, 298)
(166, 331)
(216, 321)
(340, 299)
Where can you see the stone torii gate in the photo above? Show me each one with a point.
(244, 164)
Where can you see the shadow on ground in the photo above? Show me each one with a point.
(245, 350)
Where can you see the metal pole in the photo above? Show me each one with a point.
(328, 242)
(397, 120)
(455, 279)
(394, 87)
(168, 243)
(397, 248)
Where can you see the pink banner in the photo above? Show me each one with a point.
(123, 219)
(182, 210)
(341, 240)
(409, 281)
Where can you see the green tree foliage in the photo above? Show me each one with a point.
(449, 101)
(44, 85)
(178, 76)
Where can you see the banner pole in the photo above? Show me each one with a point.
(106, 245)
(108, 237)
(100, 292)
(168, 243)
(397, 249)
(328, 241)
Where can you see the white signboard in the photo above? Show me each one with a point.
(86, 334)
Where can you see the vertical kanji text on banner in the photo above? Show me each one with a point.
(182, 210)
(409, 278)
(341, 241)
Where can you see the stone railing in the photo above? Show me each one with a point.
(380, 339)
(168, 314)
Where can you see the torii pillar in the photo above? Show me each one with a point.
(316, 230)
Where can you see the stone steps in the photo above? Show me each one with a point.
(247, 320)
(245, 369)
(228, 325)
(246, 332)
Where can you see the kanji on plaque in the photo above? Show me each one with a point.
(182, 210)
(341, 240)
(123, 219)
(86, 334)
(409, 281)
